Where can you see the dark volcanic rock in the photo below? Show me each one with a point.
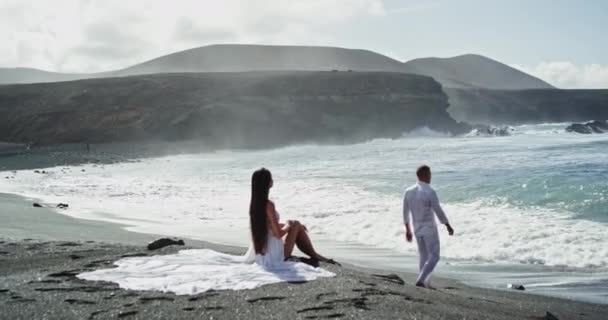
(226, 110)
(491, 131)
(62, 205)
(164, 242)
(579, 128)
(602, 125)
(527, 106)
(598, 126)
(514, 286)
(37, 205)
(589, 127)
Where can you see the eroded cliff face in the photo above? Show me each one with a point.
(527, 106)
(256, 109)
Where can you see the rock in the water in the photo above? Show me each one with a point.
(550, 316)
(490, 131)
(516, 286)
(62, 205)
(589, 127)
(164, 242)
(579, 128)
(598, 126)
(37, 205)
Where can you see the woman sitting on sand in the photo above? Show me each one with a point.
(198, 270)
(267, 230)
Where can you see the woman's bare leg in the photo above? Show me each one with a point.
(290, 239)
(304, 243)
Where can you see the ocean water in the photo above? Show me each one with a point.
(535, 201)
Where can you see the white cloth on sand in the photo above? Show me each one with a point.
(200, 270)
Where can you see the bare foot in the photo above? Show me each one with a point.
(331, 261)
(327, 260)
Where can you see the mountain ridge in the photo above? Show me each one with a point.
(32, 75)
(247, 57)
(463, 71)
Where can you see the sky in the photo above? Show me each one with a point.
(560, 41)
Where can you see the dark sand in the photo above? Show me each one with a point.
(37, 281)
(101, 154)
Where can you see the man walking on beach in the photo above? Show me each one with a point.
(421, 200)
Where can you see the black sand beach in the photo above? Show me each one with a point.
(38, 281)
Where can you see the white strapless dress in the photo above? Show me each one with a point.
(200, 270)
(275, 254)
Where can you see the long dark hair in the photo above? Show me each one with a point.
(260, 187)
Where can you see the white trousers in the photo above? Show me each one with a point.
(427, 239)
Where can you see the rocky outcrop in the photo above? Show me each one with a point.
(165, 242)
(579, 128)
(515, 286)
(527, 106)
(589, 127)
(253, 109)
(490, 131)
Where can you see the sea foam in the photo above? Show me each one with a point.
(353, 194)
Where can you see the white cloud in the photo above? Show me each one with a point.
(568, 75)
(100, 35)
(413, 8)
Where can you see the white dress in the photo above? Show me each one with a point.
(200, 270)
(275, 253)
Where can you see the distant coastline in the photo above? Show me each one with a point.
(258, 96)
(227, 110)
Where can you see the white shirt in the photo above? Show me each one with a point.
(421, 200)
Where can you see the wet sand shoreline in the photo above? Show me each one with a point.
(38, 280)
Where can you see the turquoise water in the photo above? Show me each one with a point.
(571, 176)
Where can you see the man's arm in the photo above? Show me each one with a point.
(406, 219)
(440, 213)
